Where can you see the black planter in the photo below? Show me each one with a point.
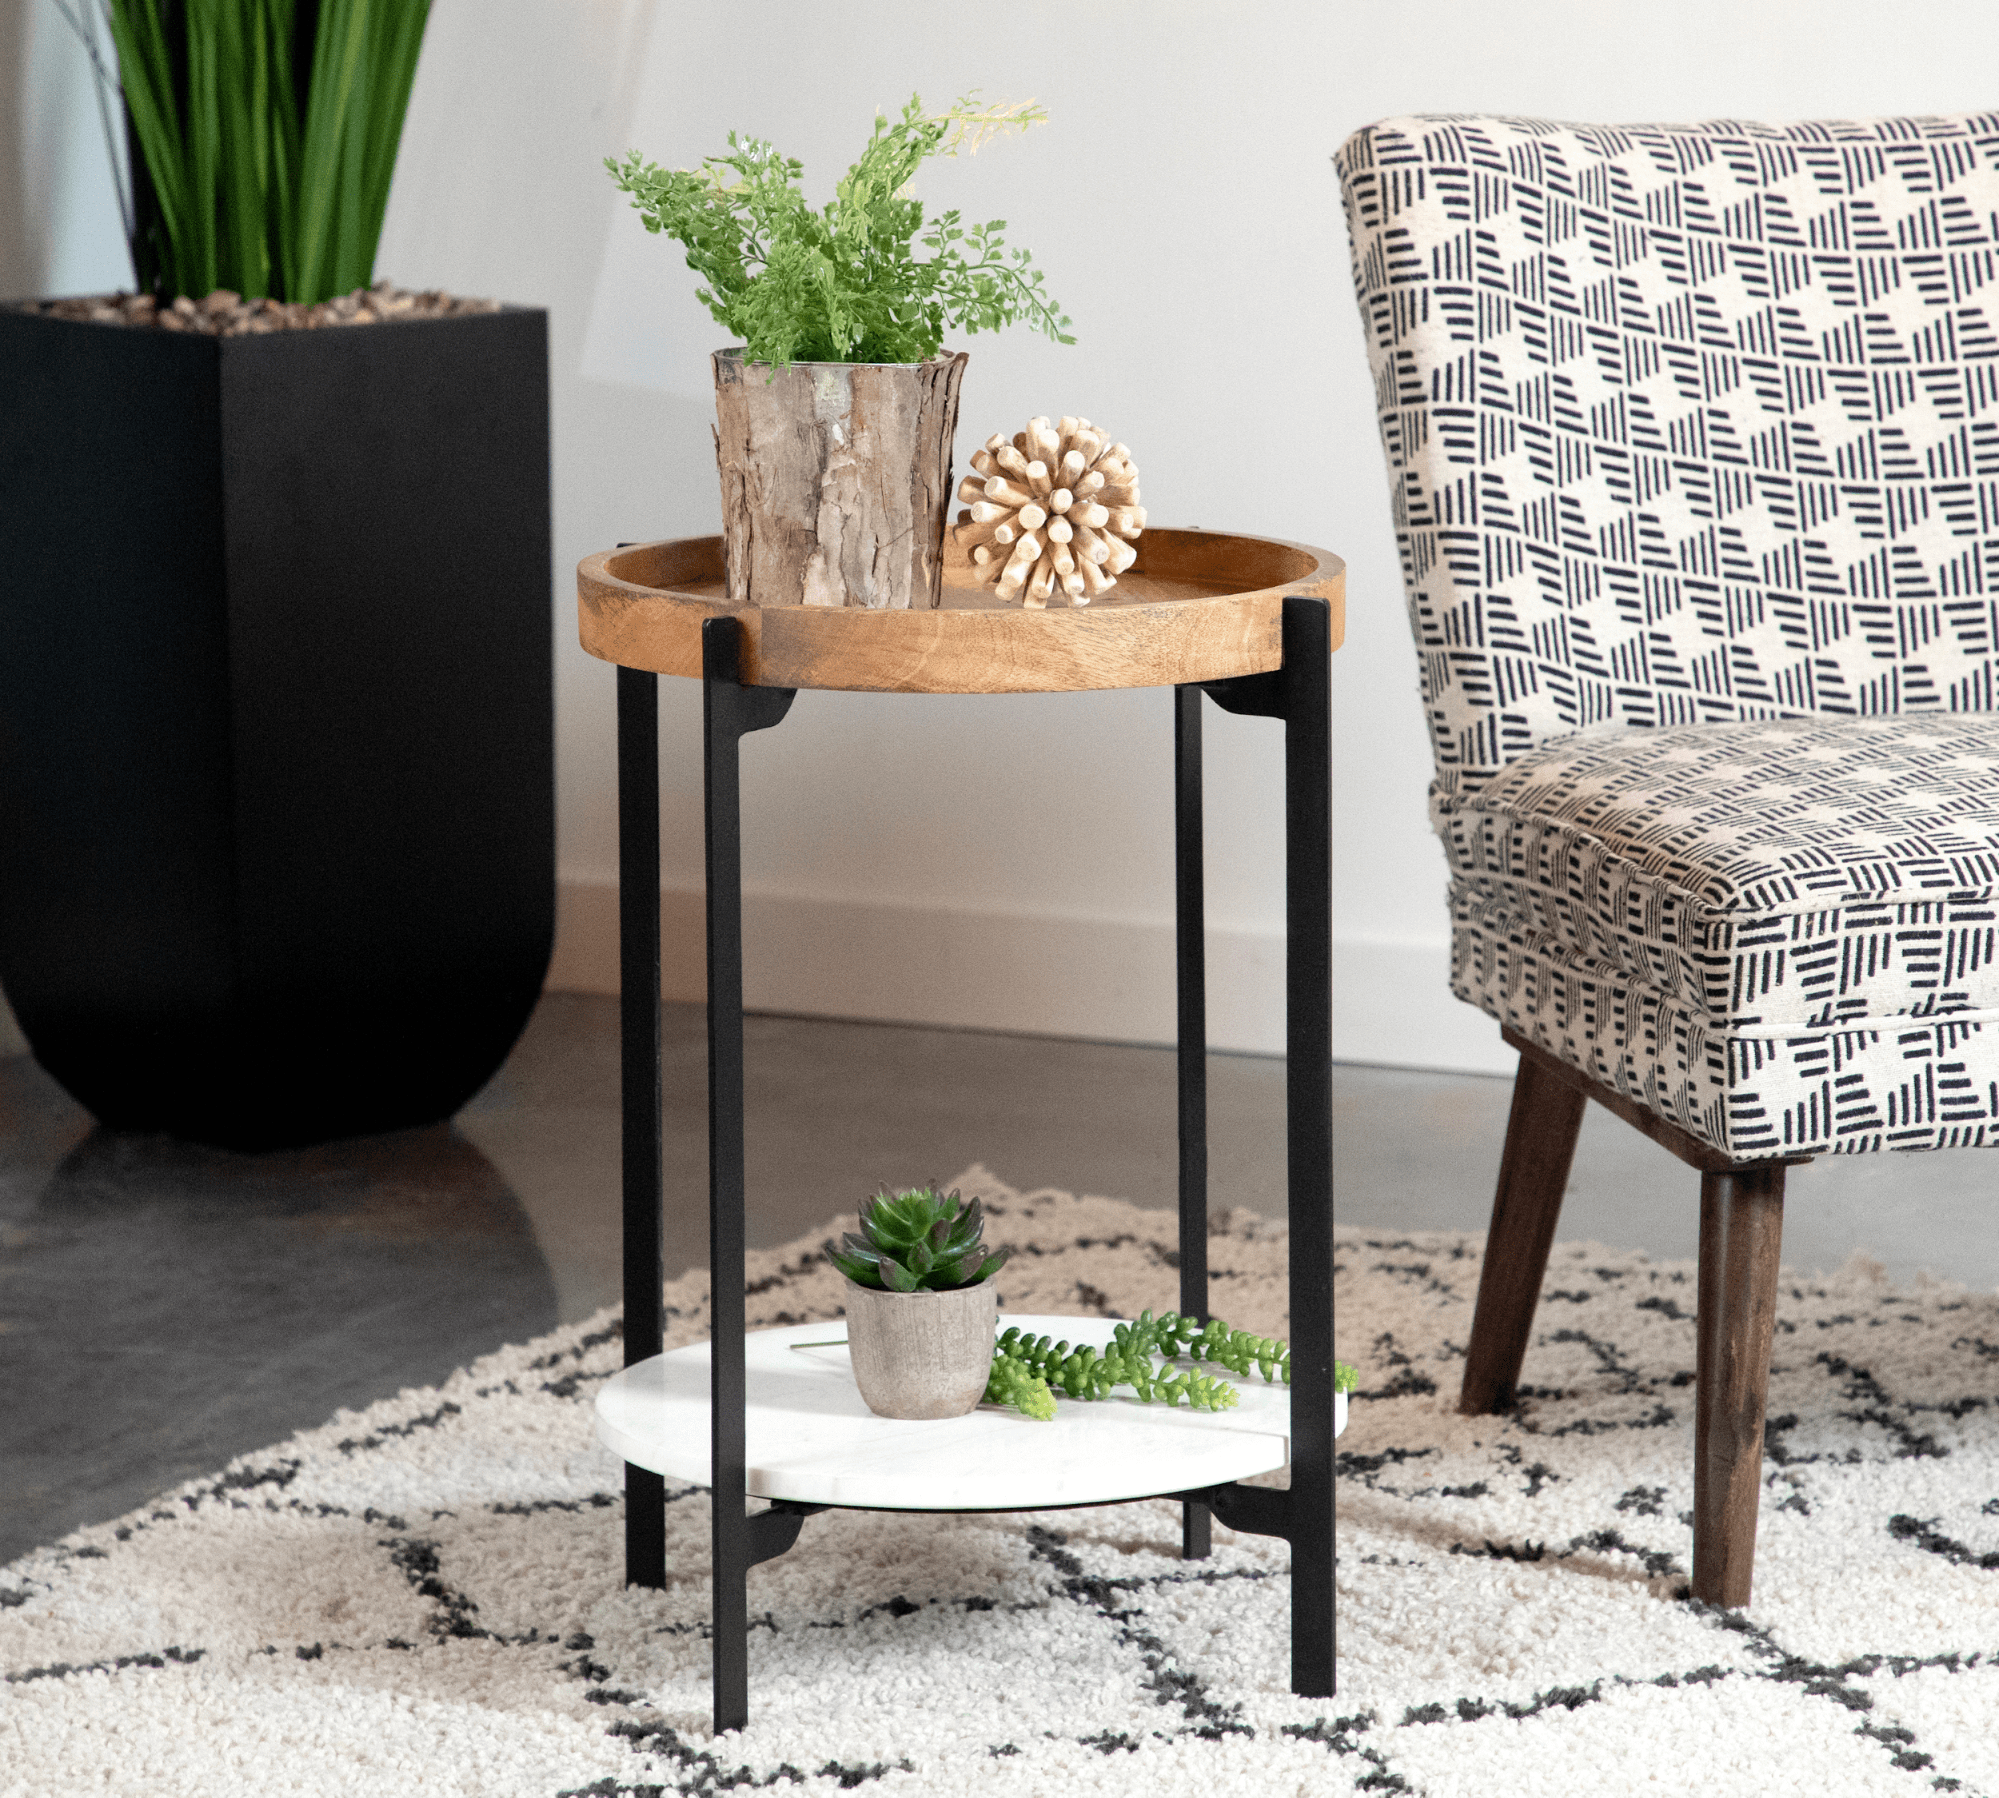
(277, 834)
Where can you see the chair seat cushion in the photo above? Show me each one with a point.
(1727, 921)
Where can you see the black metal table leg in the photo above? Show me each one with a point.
(638, 1007)
(1308, 994)
(1300, 693)
(1190, 926)
(729, 711)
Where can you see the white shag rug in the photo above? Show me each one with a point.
(426, 1597)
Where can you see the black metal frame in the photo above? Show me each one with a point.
(1298, 694)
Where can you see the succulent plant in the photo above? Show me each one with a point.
(1183, 1338)
(1028, 1371)
(918, 1241)
(1086, 1372)
(1011, 1383)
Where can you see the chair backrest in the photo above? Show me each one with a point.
(1684, 423)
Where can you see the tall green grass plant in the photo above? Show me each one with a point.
(263, 133)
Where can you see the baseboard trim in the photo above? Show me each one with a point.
(1107, 980)
(1102, 979)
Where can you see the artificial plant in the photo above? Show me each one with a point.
(1028, 1371)
(843, 284)
(263, 137)
(919, 1240)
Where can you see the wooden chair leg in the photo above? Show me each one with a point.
(1533, 1173)
(1742, 1228)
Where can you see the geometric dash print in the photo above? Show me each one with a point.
(1693, 436)
(1685, 424)
(1792, 875)
(1783, 935)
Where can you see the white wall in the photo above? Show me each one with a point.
(1007, 861)
(59, 224)
(59, 230)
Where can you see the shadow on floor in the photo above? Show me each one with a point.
(169, 1307)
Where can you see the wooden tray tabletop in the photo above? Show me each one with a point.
(1196, 606)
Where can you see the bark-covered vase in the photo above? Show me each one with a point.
(836, 479)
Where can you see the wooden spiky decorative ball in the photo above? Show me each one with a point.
(1055, 510)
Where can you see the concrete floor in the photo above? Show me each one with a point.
(163, 1308)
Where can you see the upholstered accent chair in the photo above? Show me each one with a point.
(1693, 438)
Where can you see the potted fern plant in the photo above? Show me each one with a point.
(276, 746)
(836, 409)
(921, 1306)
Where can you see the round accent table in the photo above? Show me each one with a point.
(1249, 621)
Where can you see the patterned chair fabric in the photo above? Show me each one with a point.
(1694, 446)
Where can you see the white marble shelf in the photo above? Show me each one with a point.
(811, 1439)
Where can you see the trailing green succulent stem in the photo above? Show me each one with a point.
(1181, 1338)
(1010, 1383)
(1040, 1366)
(1088, 1373)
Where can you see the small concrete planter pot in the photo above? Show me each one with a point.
(921, 1354)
